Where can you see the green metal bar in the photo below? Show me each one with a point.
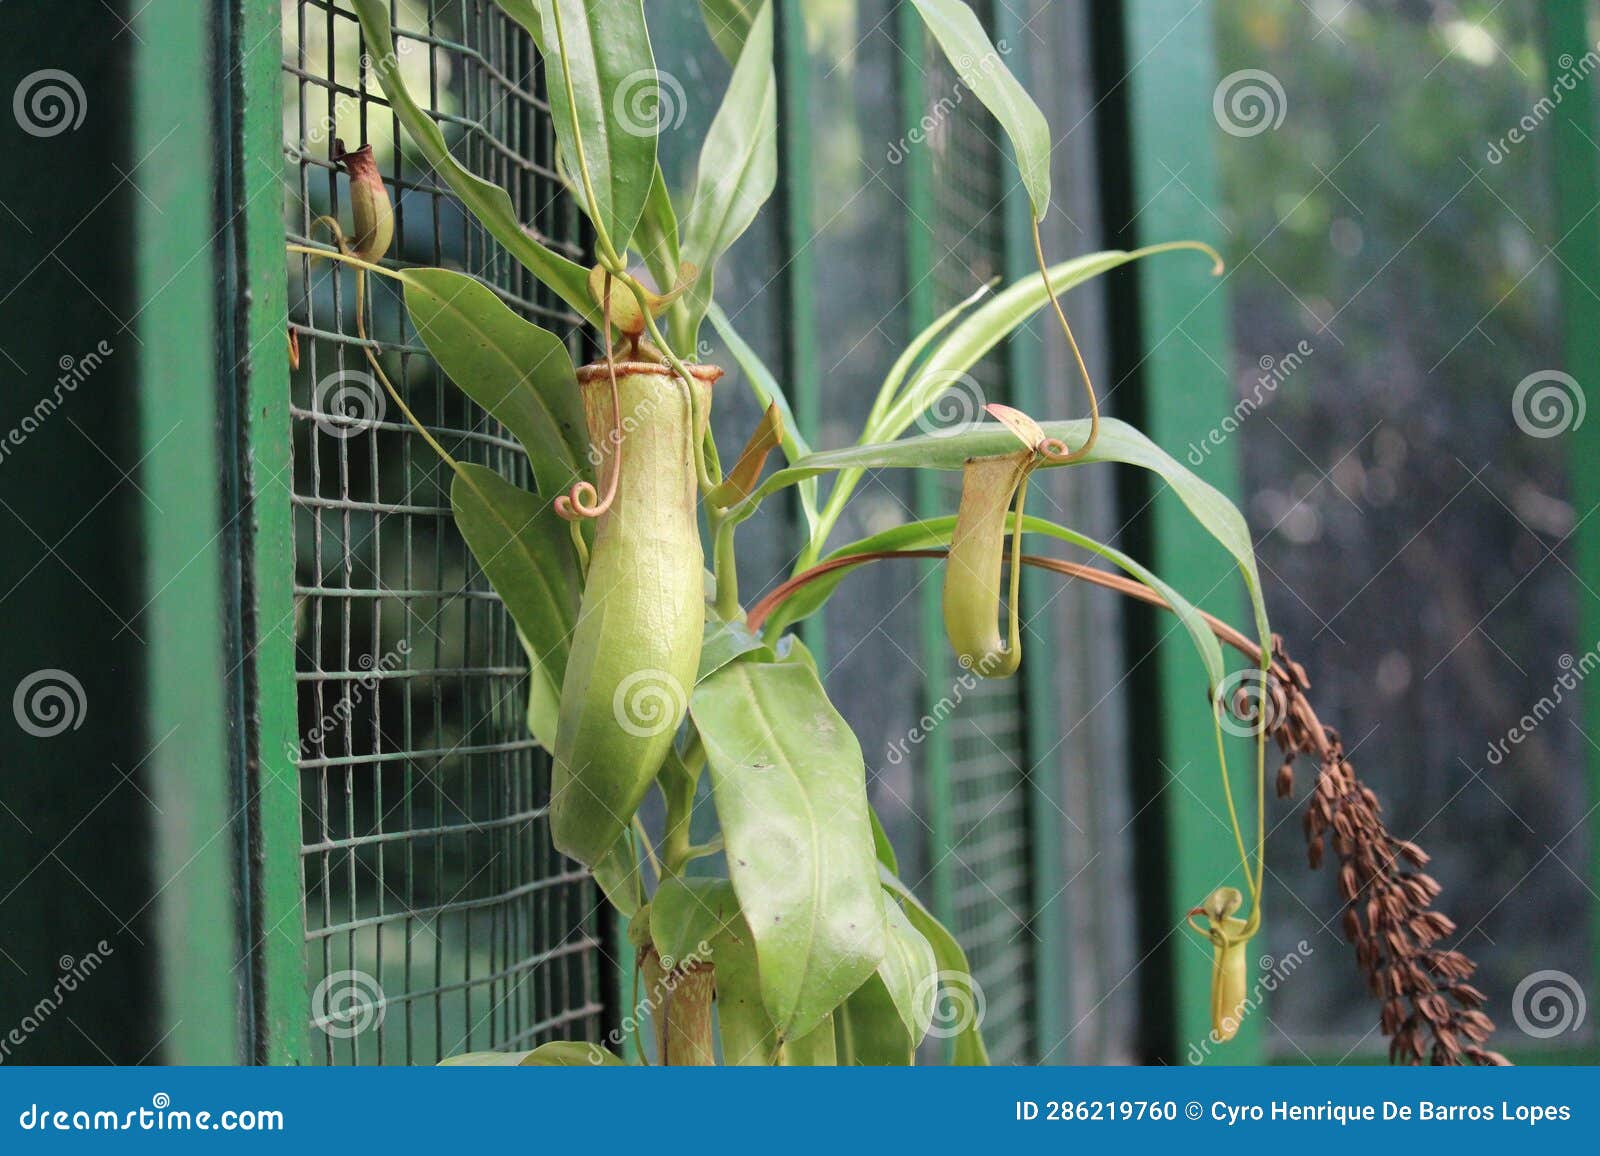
(920, 312)
(1168, 73)
(1577, 225)
(277, 926)
(795, 194)
(1042, 737)
(177, 268)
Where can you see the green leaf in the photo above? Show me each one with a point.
(870, 1032)
(768, 392)
(980, 66)
(991, 323)
(969, 1049)
(728, 22)
(745, 1028)
(790, 790)
(1118, 442)
(526, 552)
(724, 641)
(881, 844)
(656, 237)
(909, 972)
(600, 49)
(559, 1054)
(688, 915)
(619, 876)
(815, 1049)
(521, 374)
(488, 202)
(937, 531)
(738, 164)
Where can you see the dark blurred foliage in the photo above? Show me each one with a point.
(1413, 539)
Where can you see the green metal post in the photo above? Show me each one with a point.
(276, 931)
(181, 226)
(920, 313)
(1567, 36)
(1168, 76)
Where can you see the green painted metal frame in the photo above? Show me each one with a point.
(180, 125)
(278, 925)
(1576, 180)
(1166, 83)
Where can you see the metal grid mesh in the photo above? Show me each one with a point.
(439, 919)
(990, 860)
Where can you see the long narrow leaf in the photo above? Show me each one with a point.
(521, 374)
(953, 966)
(991, 323)
(486, 201)
(615, 98)
(768, 392)
(738, 164)
(524, 549)
(981, 67)
(1118, 442)
(937, 531)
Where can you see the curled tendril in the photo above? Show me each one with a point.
(584, 500)
(1053, 450)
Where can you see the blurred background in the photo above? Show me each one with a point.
(314, 829)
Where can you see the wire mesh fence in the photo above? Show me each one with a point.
(438, 916)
